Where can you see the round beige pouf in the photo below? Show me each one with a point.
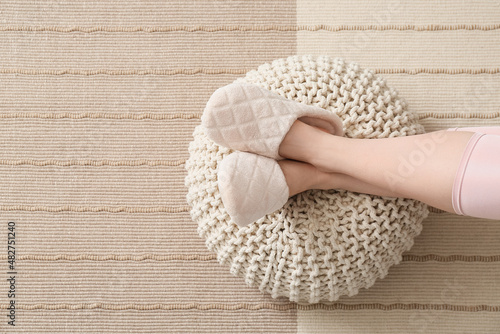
(322, 244)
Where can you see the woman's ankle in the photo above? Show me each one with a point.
(300, 142)
(325, 153)
(300, 176)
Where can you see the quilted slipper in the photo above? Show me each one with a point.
(251, 186)
(249, 118)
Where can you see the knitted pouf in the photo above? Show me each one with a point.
(322, 244)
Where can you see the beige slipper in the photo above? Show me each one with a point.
(251, 186)
(249, 118)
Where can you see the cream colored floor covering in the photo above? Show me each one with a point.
(98, 101)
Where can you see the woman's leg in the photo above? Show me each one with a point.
(421, 167)
(475, 191)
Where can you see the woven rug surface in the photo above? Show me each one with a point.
(98, 103)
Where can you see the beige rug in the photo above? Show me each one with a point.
(98, 101)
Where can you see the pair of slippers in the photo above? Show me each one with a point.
(253, 121)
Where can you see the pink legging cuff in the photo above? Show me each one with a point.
(476, 189)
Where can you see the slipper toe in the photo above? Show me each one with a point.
(251, 186)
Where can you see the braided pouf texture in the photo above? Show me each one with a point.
(322, 244)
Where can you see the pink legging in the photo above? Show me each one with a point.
(476, 189)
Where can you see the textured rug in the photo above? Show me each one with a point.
(98, 103)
